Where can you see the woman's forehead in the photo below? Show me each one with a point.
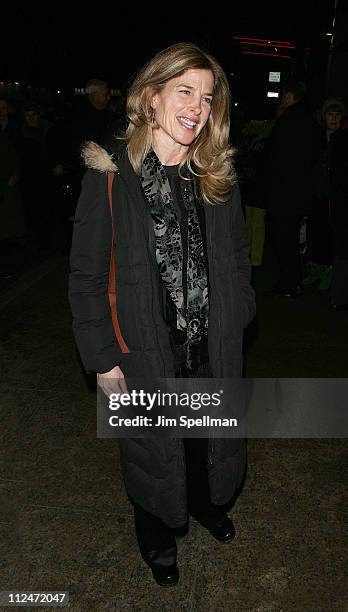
(194, 76)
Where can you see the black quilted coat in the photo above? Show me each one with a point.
(154, 471)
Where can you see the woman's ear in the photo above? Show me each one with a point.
(151, 96)
(154, 100)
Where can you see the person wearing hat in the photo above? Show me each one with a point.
(319, 222)
(333, 112)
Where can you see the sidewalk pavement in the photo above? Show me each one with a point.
(21, 264)
(66, 523)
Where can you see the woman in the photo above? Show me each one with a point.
(182, 284)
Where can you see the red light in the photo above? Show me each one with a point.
(267, 45)
(266, 54)
(267, 41)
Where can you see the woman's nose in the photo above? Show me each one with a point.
(196, 105)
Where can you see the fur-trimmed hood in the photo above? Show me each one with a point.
(97, 158)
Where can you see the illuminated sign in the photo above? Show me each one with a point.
(274, 77)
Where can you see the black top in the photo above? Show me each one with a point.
(181, 211)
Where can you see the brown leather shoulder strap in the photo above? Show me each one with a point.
(112, 274)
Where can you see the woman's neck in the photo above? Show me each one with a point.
(169, 158)
(168, 154)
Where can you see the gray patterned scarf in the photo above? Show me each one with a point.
(169, 253)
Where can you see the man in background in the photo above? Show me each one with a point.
(290, 156)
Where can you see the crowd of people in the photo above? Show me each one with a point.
(292, 174)
(41, 168)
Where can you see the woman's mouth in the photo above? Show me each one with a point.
(187, 123)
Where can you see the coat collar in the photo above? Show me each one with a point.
(98, 158)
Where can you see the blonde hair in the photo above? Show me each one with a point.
(210, 152)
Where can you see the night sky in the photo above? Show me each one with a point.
(61, 46)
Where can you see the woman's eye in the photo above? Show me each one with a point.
(185, 91)
(208, 101)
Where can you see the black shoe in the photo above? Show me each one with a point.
(222, 530)
(164, 575)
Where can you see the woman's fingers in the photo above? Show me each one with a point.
(123, 385)
(115, 384)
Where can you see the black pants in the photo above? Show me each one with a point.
(319, 233)
(152, 533)
(285, 235)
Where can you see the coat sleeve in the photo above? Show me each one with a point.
(89, 277)
(242, 254)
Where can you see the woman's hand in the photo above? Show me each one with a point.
(112, 382)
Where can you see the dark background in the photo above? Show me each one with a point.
(62, 47)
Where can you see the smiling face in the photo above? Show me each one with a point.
(182, 109)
